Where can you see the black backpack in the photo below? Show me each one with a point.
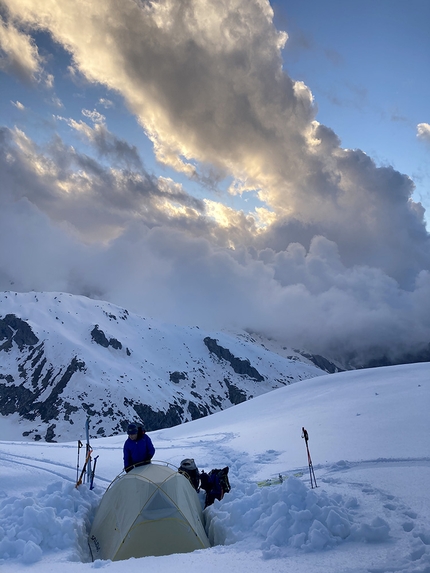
(189, 469)
(215, 484)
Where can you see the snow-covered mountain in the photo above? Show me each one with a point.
(66, 357)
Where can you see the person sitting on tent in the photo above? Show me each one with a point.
(138, 447)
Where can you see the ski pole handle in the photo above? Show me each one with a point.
(305, 435)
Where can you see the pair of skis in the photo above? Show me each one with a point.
(86, 472)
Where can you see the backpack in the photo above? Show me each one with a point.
(189, 469)
(215, 484)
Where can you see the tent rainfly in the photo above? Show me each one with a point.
(151, 510)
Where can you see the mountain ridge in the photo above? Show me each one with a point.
(64, 357)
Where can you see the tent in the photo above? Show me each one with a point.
(151, 510)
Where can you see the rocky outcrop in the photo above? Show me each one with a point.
(176, 377)
(321, 362)
(13, 329)
(99, 337)
(240, 366)
(155, 419)
(235, 394)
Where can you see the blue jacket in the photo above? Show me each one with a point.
(137, 451)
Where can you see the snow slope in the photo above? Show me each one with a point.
(369, 440)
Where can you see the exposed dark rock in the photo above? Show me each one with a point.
(35, 376)
(89, 409)
(157, 419)
(177, 376)
(321, 362)
(68, 410)
(49, 409)
(6, 346)
(116, 344)
(197, 411)
(36, 356)
(50, 434)
(215, 401)
(15, 329)
(110, 315)
(15, 399)
(99, 337)
(235, 394)
(239, 366)
(5, 331)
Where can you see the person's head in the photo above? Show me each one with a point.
(132, 431)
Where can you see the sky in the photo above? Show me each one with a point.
(367, 431)
(229, 164)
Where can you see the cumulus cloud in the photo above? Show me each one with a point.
(336, 255)
(423, 131)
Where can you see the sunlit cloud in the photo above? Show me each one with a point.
(18, 53)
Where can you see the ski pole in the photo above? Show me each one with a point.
(93, 473)
(305, 435)
(80, 445)
(87, 430)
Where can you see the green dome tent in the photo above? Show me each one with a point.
(151, 510)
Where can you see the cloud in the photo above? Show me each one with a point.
(69, 224)
(423, 131)
(336, 255)
(95, 202)
(106, 103)
(18, 53)
(18, 105)
(95, 116)
(105, 143)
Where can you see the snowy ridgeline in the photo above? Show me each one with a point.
(279, 519)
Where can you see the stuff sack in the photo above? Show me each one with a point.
(189, 469)
(215, 484)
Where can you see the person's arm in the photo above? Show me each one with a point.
(127, 456)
